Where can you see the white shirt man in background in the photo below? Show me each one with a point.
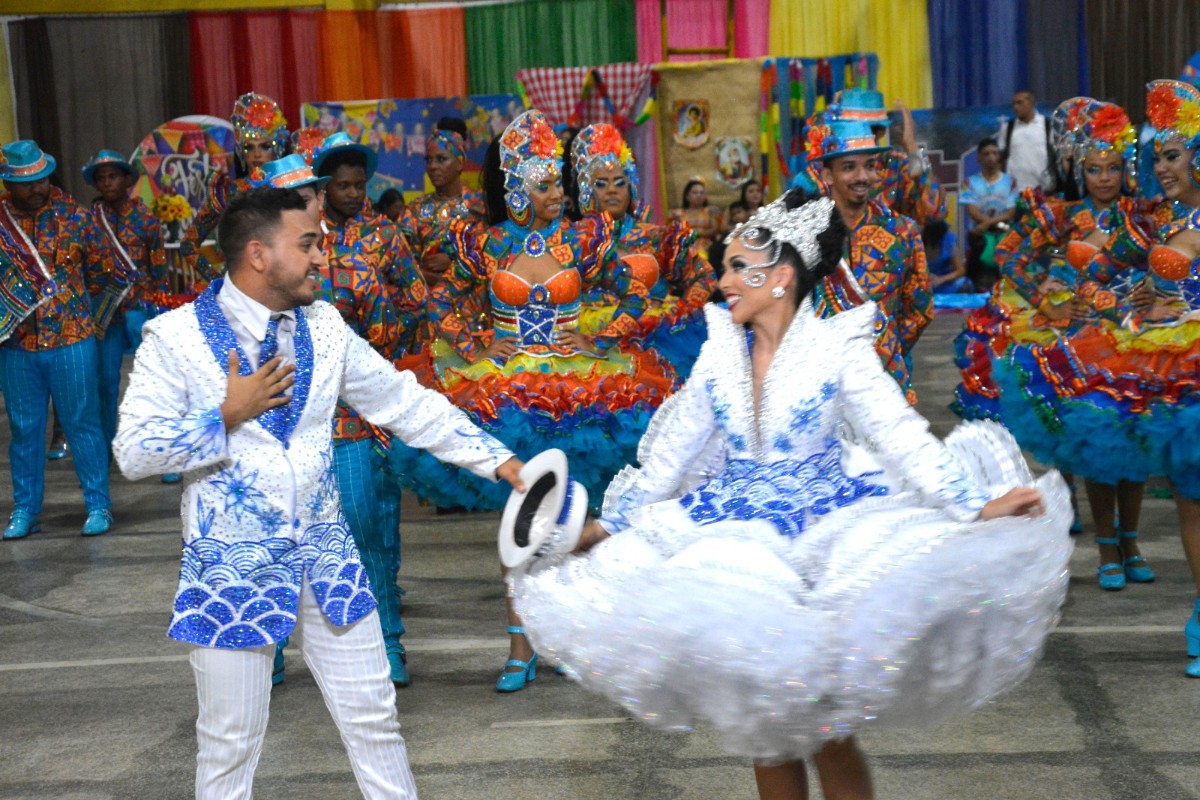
(1026, 144)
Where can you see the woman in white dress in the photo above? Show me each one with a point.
(797, 557)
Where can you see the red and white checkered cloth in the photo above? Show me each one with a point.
(556, 90)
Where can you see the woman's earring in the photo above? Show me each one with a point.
(777, 293)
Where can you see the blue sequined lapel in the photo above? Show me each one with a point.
(216, 331)
(281, 421)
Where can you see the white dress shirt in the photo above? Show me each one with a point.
(1028, 158)
(249, 319)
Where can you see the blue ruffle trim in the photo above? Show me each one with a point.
(679, 344)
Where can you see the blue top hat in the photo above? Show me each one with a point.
(859, 105)
(842, 138)
(289, 172)
(24, 162)
(341, 142)
(109, 158)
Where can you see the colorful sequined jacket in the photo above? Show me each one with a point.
(1051, 223)
(675, 266)
(425, 222)
(1138, 242)
(481, 252)
(138, 234)
(887, 262)
(351, 285)
(77, 258)
(221, 189)
(261, 513)
(379, 244)
(918, 197)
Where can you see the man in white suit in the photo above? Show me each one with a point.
(237, 392)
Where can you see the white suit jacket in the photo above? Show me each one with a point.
(260, 502)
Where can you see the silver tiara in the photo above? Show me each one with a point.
(798, 227)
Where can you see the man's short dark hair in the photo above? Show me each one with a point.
(349, 158)
(988, 142)
(254, 214)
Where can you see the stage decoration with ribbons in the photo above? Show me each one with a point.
(579, 96)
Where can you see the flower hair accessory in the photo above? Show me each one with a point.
(599, 147)
(256, 116)
(798, 227)
(1173, 108)
(529, 152)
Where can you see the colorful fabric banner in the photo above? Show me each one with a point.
(397, 130)
(702, 23)
(896, 30)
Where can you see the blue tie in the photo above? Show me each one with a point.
(270, 342)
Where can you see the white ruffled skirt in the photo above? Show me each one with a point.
(886, 611)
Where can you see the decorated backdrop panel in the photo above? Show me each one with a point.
(708, 127)
(181, 156)
(397, 130)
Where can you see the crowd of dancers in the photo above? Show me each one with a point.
(523, 318)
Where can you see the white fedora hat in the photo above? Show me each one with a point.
(548, 517)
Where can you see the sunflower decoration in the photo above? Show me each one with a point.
(170, 207)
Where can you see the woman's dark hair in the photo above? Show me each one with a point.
(570, 184)
(746, 186)
(388, 197)
(453, 124)
(831, 246)
(687, 187)
(493, 184)
(934, 233)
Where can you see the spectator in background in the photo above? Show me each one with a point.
(1028, 149)
(990, 199)
(947, 273)
(752, 196)
(390, 204)
(739, 212)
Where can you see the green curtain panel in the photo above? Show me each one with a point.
(545, 33)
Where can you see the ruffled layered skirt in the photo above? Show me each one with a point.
(593, 409)
(668, 328)
(1109, 403)
(882, 611)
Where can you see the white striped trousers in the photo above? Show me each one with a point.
(350, 665)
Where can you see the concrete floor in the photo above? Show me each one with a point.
(96, 703)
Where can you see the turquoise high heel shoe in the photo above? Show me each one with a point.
(277, 667)
(1192, 632)
(1193, 669)
(1116, 580)
(1136, 568)
(515, 681)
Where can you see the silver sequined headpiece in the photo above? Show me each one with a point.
(798, 227)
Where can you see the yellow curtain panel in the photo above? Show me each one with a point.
(896, 30)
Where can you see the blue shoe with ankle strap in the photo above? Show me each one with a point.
(1111, 575)
(398, 665)
(515, 681)
(1136, 568)
(1192, 631)
(1193, 669)
(22, 524)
